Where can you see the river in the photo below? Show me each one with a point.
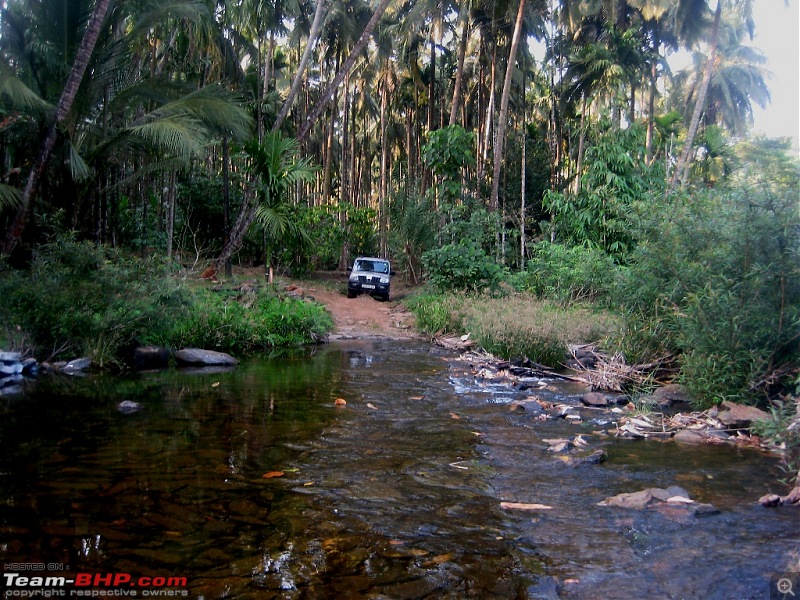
(253, 483)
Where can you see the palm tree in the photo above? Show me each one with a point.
(277, 170)
(344, 70)
(82, 57)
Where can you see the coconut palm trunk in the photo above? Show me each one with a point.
(68, 95)
(344, 70)
(500, 131)
(684, 163)
(316, 27)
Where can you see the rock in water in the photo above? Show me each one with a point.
(127, 407)
(197, 356)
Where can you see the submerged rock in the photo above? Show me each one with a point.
(668, 501)
(197, 356)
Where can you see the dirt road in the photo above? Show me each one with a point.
(361, 317)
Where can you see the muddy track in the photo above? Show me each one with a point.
(362, 317)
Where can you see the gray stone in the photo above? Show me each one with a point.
(10, 368)
(128, 407)
(688, 436)
(596, 399)
(197, 356)
(79, 364)
(9, 356)
(672, 393)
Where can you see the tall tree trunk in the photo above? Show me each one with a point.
(383, 202)
(651, 103)
(503, 117)
(488, 128)
(581, 145)
(462, 52)
(226, 199)
(344, 70)
(76, 74)
(684, 163)
(316, 26)
(170, 213)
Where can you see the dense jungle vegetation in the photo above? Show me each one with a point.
(525, 151)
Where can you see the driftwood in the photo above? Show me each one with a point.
(613, 374)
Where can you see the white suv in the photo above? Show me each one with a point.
(370, 276)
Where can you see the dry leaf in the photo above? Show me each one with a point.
(372, 406)
(396, 542)
(308, 484)
(524, 506)
(416, 397)
(454, 416)
(340, 402)
(272, 474)
(437, 560)
(215, 384)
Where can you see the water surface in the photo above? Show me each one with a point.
(395, 495)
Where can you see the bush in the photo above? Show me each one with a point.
(462, 266)
(83, 300)
(718, 282)
(566, 274)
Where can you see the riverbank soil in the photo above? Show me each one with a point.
(363, 317)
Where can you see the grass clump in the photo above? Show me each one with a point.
(78, 299)
(517, 325)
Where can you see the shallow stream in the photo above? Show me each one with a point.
(395, 495)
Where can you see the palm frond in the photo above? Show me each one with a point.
(18, 95)
(180, 135)
(79, 169)
(10, 196)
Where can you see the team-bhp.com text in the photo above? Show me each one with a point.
(92, 585)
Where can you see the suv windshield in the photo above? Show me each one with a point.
(374, 266)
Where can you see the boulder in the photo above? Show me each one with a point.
(9, 356)
(150, 357)
(597, 399)
(78, 364)
(673, 495)
(672, 393)
(689, 436)
(739, 416)
(197, 356)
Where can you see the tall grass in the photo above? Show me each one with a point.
(514, 326)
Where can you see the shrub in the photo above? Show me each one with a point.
(518, 325)
(462, 266)
(566, 274)
(718, 281)
(81, 299)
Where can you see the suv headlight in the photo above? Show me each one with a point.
(353, 277)
(384, 280)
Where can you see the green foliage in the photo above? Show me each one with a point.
(718, 281)
(436, 312)
(448, 151)
(518, 325)
(566, 273)
(616, 187)
(414, 229)
(228, 323)
(462, 266)
(80, 299)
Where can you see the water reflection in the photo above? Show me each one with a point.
(396, 495)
